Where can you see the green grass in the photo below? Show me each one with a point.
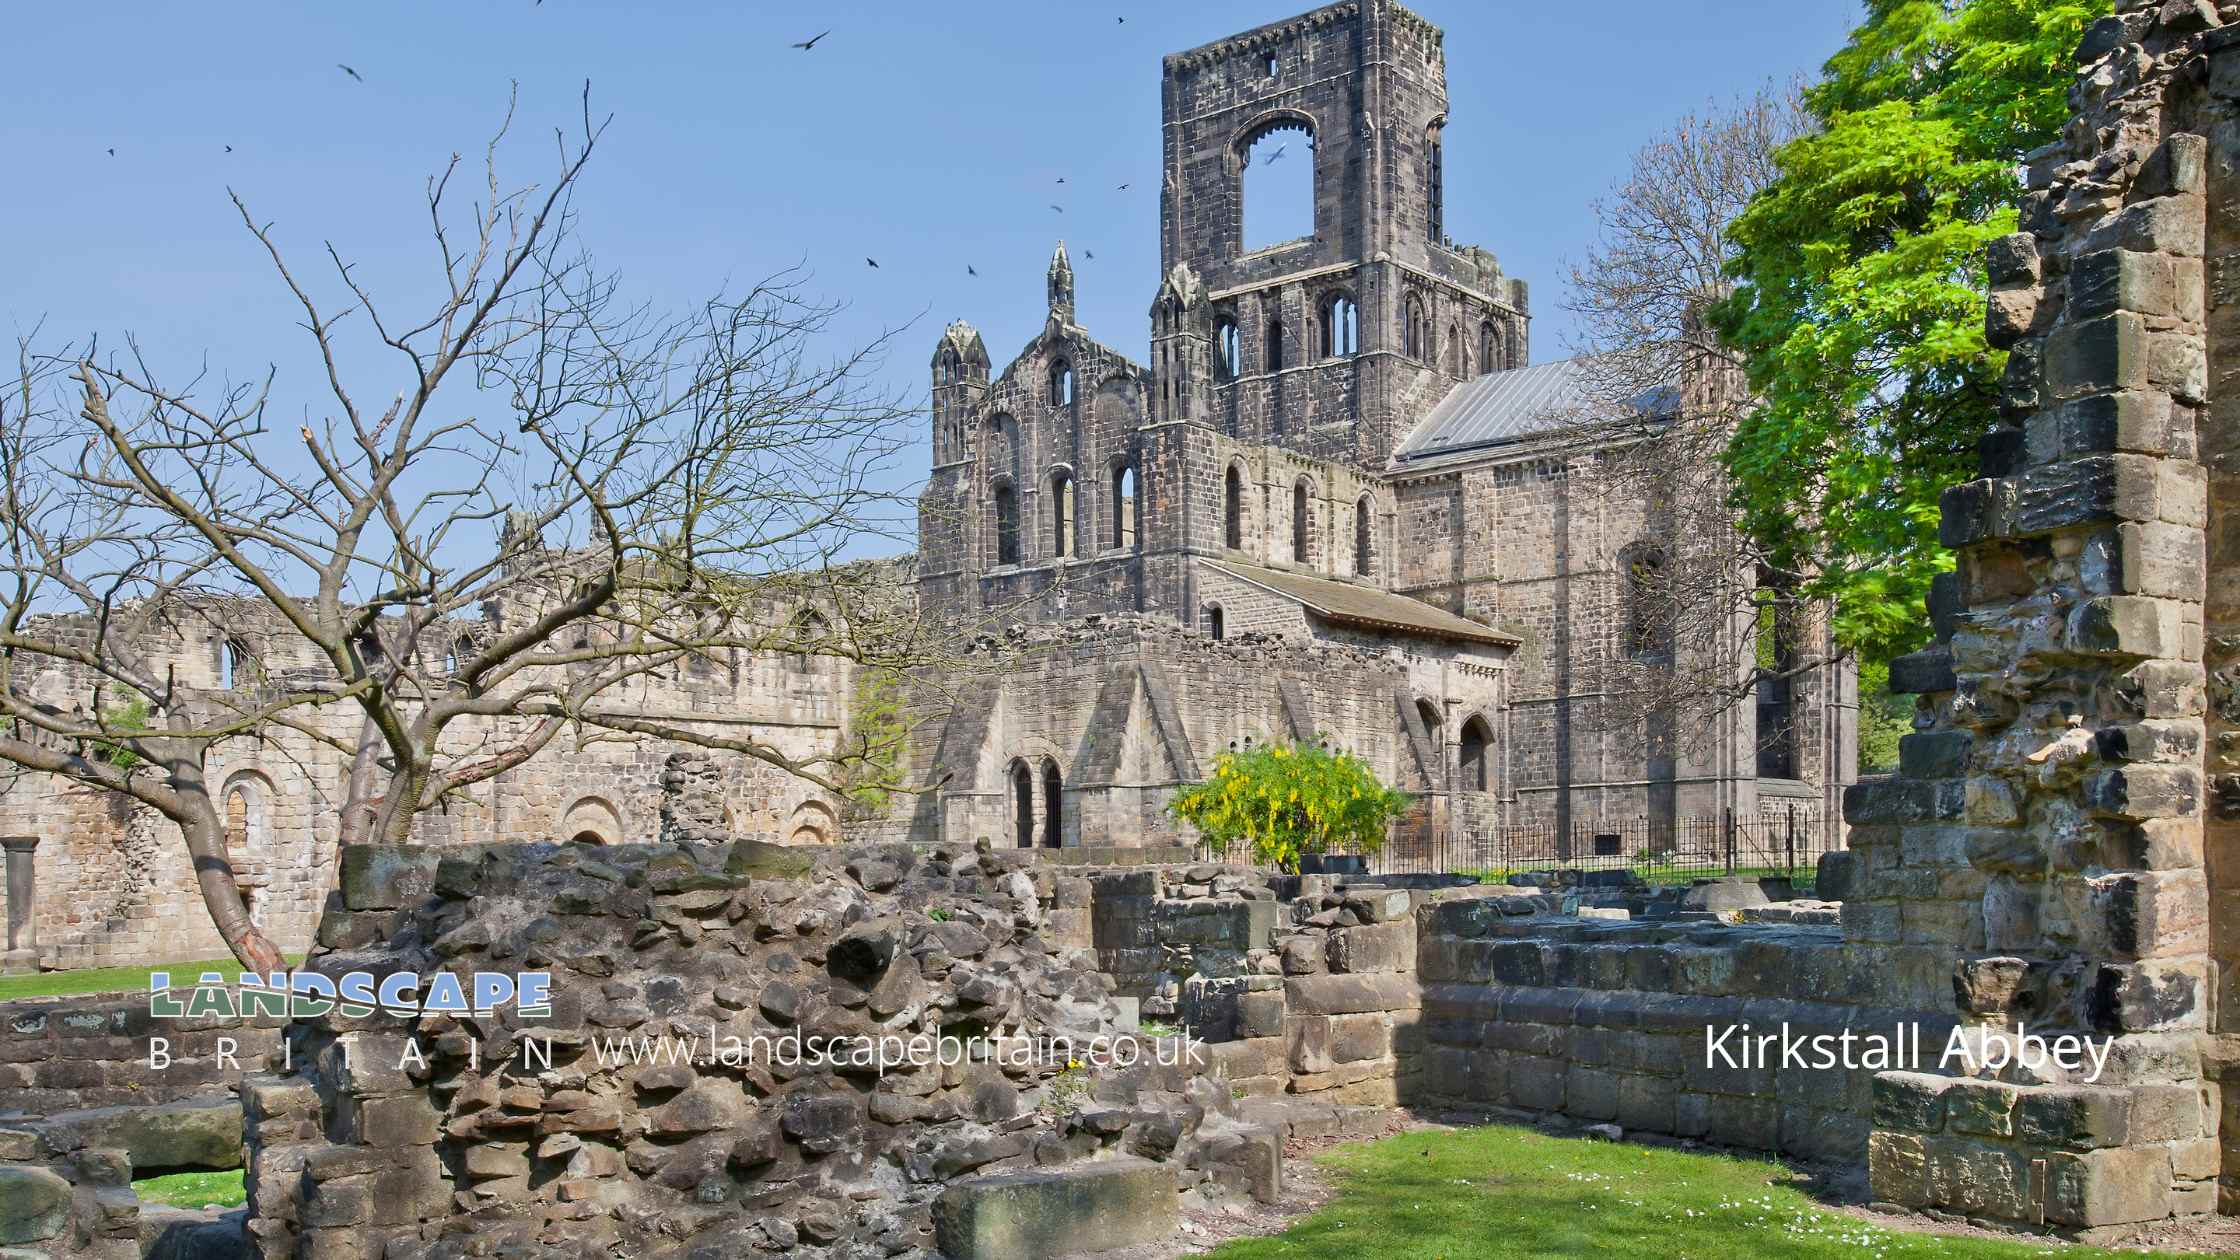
(1498, 1192)
(193, 1189)
(1655, 873)
(113, 979)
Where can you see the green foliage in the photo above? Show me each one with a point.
(1499, 1192)
(132, 717)
(878, 734)
(194, 1190)
(1859, 303)
(1883, 718)
(1285, 801)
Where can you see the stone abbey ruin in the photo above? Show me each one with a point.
(2046, 859)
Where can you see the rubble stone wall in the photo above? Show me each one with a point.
(369, 1151)
(2053, 846)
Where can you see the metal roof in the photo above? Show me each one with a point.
(1367, 605)
(1524, 402)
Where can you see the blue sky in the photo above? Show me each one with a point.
(925, 136)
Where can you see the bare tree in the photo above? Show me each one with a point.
(632, 489)
(1706, 616)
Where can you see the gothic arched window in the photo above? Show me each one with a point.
(1415, 331)
(1061, 384)
(1361, 537)
(1225, 348)
(1340, 336)
(1126, 516)
(1065, 540)
(1491, 357)
(1648, 622)
(1007, 523)
(1274, 361)
(1301, 521)
(1232, 510)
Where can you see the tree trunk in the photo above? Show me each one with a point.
(213, 866)
(359, 807)
(213, 873)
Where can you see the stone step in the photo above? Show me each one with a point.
(1072, 1211)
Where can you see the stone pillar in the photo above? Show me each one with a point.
(23, 927)
(2038, 861)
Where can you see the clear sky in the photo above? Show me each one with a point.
(927, 136)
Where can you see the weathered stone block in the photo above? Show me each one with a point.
(2116, 1186)
(1898, 1169)
(1910, 1102)
(1374, 947)
(1351, 994)
(34, 1204)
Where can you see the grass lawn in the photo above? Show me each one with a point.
(113, 979)
(1655, 873)
(1499, 1191)
(193, 1189)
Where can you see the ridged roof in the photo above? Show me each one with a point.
(1367, 605)
(1524, 402)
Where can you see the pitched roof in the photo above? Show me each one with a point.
(1367, 606)
(1502, 407)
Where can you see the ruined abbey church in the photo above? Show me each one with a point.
(1341, 503)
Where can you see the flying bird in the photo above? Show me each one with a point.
(873, 262)
(1123, 188)
(1278, 153)
(811, 42)
(352, 73)
(229, 148)
(1121, 20)
(1055, 206)
(1061, 179)
(112, 153)
(969, 271)
(1089, 254)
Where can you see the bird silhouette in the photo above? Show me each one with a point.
(1089, 254)
(112, 153)
(229, 148)
(1121, 20)
(1055, 206)
(1061, 179)
(1278, 153)
(352, 73)
(1123, 188)
(874, 263)
(969, 271)
(811, 42)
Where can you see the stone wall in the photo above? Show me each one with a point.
(113, 879)
(363, 1154)
(2050, 853)
(1607, 1022)
(65, 1054)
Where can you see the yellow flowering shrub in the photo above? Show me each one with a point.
(1284, 801)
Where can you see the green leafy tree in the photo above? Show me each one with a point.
(1884, 719)
(1285, 801)
(1859, 297)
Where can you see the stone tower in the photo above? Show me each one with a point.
(1335, 343)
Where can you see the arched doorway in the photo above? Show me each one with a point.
(1475, 774)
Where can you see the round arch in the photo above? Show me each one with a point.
(1260, 126)
(246, 806)
(592, 820)
(813, 822)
